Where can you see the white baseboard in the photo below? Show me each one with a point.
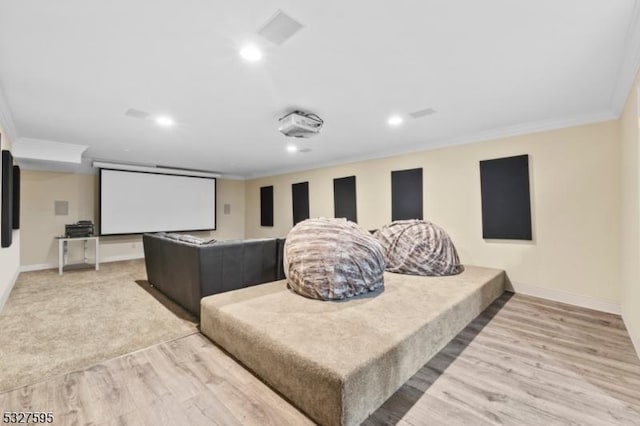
(633, 333)
(43, 266)
(37, 267)
(122, 257)
(5, 296)
(635, 337)
(595, 303)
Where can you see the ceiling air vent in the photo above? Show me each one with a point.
(280, 28)
(422, 113)
(136, 113)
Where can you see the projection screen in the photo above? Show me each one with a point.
(138, 202)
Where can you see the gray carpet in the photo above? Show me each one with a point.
(53, 325)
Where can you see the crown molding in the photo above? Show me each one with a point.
(630, 64)
(232, 177)
(482, 136)
(6, 118)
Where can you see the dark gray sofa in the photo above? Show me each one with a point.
(187, 272)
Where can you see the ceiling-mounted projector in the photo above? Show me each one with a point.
(299, 124)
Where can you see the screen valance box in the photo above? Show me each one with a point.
(506, 199)
(6, 219)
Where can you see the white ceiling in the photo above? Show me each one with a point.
(70, 69)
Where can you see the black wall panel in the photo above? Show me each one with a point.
(300, 197)
(406, 194)
(6, 216)
(344, 198)
(506, 201)
(16, 197)
(266, 206)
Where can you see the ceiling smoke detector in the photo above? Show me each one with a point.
(300, 124)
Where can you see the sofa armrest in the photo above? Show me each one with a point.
(173, 268)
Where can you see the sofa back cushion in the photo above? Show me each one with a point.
(230, 265)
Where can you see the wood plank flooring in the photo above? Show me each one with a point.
(524, 361)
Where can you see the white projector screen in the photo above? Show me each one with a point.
(137, 202)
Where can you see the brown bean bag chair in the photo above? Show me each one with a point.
(418, 247)
(332, 259)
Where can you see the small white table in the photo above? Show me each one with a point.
(63, 252)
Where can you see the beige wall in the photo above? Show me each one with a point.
(630, 256)
(575, 189)
(38, 220)
(582, 180)
(40, 225)
(9, 256)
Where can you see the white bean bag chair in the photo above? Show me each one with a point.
(331, 259)
(418, 247)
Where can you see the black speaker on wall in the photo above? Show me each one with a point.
(300, 198)
(506, 199)
(344, 198)
(406, 194)
(16, 197)
(6, 216)
(266, 206)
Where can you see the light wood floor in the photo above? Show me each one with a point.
(524, 361)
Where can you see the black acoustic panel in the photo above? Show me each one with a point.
(300, 197)
(266, 206)
(506, 201)
(6, 226)
(16, 197)
(344, 198)
(406, 194)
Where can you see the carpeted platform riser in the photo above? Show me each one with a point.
(329, 397)
(375, 383)
(315, 390)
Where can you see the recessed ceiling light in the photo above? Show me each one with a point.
(164, 121)
(292, 148)
(251, 53)
(395, 120)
